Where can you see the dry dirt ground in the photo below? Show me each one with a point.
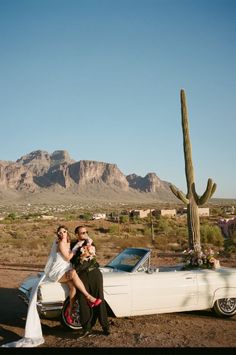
(176, 330)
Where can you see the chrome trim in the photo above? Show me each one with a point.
(44, 307)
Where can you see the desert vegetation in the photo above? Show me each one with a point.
(25, 238)
(25, 241)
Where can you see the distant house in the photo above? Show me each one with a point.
(168, 213)
(204, 211)
(99, 216)
(229, 209)
(46, 217)
(141, 213)
(165, 212)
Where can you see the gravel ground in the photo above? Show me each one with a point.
(189, 329)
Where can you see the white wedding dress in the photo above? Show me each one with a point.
(55, 267)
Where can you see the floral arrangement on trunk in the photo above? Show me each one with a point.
(204, 260)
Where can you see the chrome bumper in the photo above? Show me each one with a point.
(43, 307)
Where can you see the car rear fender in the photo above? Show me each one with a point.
(224, 292)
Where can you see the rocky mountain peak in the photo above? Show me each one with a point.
(60, 157)
(41, 171)
(91, 172)
(149, 183)
(35, 157)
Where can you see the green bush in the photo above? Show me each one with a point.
(124, 219)
(32, 216)
(113, 229)
(11, 216)
(145, 231)
(230, 244)
(87, 216)
(211, 235)
(163, 226)
(161, 243)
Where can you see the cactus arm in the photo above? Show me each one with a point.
(195, 195)
(179, 194)
(211, 187)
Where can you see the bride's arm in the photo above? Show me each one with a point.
(64, 250)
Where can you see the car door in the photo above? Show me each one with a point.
(161, 292)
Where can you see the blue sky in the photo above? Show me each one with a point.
(102, 78)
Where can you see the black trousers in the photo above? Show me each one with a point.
(93, 282)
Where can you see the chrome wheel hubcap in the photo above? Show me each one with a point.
(227, 305)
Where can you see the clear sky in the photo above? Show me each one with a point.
(102, 78)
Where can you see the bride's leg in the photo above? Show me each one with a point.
(72, 293)
(79, 284)
(72, 290)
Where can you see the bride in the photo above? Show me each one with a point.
(58, 269)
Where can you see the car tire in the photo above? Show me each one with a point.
(75, 316)
(225, 307)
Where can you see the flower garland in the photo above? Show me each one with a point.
(205, 260)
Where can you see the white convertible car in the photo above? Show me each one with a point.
(132, 287)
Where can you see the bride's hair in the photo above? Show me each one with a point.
(59, 237)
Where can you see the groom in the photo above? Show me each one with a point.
(87, 267)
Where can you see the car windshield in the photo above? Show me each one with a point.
(128, 259)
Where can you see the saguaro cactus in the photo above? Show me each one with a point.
(191, 199)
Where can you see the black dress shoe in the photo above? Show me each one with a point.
(106, 331)
(85, 334)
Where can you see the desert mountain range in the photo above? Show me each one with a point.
(56, 177)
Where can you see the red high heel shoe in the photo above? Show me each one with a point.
(67, 316)
(96, 303)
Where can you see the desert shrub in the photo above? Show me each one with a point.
(163, 226)
(183, 231)
(211, 235)
(161, 243)
(86, 216)
(32, 216)
(124, 219)
(147, 231)
(102, 230)
(216, 211)
(136, 220)
(230, 244)
(11, 216)
(132, 229)
(113, 229)
(126, 228)
(70, 217)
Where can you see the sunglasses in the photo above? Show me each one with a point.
(62, 232)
